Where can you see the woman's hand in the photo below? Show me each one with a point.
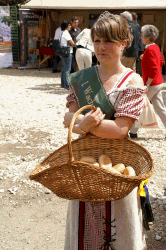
(91, 120)
(68, 117)
(149, 81)
(141, 56)
(86, 122)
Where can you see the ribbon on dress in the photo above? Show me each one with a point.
(145, 204)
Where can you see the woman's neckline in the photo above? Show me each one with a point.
(116, 82)
(118, 76)
(115, 75)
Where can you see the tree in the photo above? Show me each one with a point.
(13, 2)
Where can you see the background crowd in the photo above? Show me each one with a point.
(142, 51)
(84, 46)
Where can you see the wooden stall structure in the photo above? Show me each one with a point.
(54, 12)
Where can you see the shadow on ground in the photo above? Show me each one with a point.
(30, 142)
(46, 72)
(152, 243)
(51, 89)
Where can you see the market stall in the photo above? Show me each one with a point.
(45, 51)
(52, 13)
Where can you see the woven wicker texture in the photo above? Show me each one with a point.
(68, 178)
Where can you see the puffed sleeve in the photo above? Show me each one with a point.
(70, 98)
(131, 103)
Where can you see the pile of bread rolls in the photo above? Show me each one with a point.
(105, 162)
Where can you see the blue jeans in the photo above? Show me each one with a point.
(56, 62)
(65, 71)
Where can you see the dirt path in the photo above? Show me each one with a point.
(32, 106)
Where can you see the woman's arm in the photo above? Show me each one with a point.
(93, 121)
(152, 63)
(90, 120)
(149, 81)
(71, 43)
(113, 129)
(128, 109)
(73, 108)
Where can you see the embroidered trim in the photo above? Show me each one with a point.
(108, 237)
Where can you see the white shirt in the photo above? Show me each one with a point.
(57, 33)
(84, 39)
(65, 37)
(149, 45)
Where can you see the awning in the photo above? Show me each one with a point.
(93, 4)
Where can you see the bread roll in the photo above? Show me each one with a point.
(129, 171)
(112, 170)
(88, 159)
(119, 167)
(104, 161)
(96, 164)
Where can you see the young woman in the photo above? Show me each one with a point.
(122, 91)
(66, 40)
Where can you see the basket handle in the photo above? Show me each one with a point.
(71, 158)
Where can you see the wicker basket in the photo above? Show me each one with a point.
(69, 178)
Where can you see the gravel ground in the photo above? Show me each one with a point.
(32, 106)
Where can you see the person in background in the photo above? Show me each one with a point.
(65, 40)
(151, 64)
(74, 32)
(131, 53)
(140, 44)
(134, 20)
(56, 58)
(84, 49)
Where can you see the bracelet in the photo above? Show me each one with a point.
(82, 129)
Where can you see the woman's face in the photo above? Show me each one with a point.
(69, 27)
(145, 40)
(106, 50)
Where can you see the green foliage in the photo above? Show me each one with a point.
(13, 2)
(7, 20)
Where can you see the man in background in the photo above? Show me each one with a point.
(140, 44)
(57, 58)
(131, 54)
(74, 32)
(134, 20)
